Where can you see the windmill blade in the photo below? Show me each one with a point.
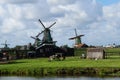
(52, 25)
(2, 44)
(39, 33)
(76, 37)
(41, 23)
(80, 36)
(32, 37)
(75, 32)
(72, 38)
(5, 41)
(8, 44)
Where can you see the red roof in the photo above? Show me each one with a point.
(81, 45)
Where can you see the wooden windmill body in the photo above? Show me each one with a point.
(78, 42)
(47, 38)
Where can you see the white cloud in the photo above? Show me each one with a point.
(2, 11)
(78, 12)
(14, 11)
(112, 12)
(10, 25)
(19, 18)
(106, 31)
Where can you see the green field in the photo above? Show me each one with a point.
(68, 62)
(70, 66)
(112, 50)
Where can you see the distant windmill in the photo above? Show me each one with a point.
(5, 45)
(37, 40)
(46, 33)
(77, 38)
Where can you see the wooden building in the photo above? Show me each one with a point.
(95, 53)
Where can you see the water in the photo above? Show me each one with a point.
(57, 78)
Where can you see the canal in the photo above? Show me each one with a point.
(57, 78)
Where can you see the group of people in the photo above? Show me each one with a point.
(57, 56)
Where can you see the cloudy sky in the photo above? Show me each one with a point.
(98, 20)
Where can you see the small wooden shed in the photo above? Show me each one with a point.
(95, 53)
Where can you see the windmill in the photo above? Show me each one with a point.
(78, 43)
(5, 45)
(46, 33)
(77, 38)
(37, 40)
(47, 46)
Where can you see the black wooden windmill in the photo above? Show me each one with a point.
(46, 45)
(5, 45)
(46, 34)
(77, 38)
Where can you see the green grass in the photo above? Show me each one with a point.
(79, 52)
(112, 50)
(68, 62)
(42, 66)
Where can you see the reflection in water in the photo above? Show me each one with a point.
(56, 78)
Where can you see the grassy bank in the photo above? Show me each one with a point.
(70, 66)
